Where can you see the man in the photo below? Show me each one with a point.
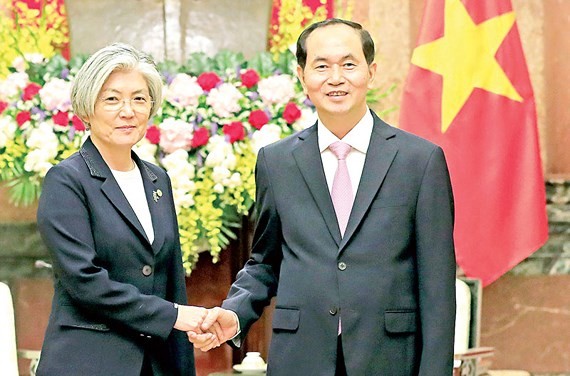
(372, 293)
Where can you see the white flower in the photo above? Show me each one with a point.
(181, 173)
(19, 63)
(224, 100)
(183, 188)
(176, 164)
(43, 137)
(183, 91)
(220, 174)
(38, 160)
(265, 136)
(43, 144)
(276, 89)
(12, 85)
(175, 134)
(8, 129)
(34, 57)
(308, 118)
(220, 154)
(234, 180)
(55, 95)
(146, 150)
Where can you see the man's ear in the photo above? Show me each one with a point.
(372, 72)
(301, 77)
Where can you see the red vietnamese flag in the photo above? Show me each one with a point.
(468, 90)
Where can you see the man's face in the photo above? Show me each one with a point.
(336, 76)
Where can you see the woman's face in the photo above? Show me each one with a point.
(121, 111)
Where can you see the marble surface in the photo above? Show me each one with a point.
(554, 257)
(170, 29)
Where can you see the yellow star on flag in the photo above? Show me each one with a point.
(465, 57)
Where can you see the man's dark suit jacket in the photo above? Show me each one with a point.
(391, 278)
(113, 289)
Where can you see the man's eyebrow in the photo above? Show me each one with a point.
(321, 58)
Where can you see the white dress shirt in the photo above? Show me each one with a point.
(132, 186)
(358, 138)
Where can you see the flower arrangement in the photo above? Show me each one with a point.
(29, 28)
(290, 17)
(217, 113)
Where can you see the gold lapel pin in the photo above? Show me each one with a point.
(156, 195)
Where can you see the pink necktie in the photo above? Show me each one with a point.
(341, 192)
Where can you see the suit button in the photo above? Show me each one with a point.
(333, 311)
(341, 266)
(147, 270)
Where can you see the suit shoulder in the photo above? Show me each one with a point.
(414, 139)
(290, 141)
(402, 137)
(71, 165)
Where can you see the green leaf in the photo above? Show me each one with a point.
(197, 63)
(262, 63)
(227, 60)
(286, 63)
(24, 191)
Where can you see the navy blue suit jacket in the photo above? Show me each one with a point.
(391, 278)
(114, 291)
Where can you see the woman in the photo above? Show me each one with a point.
(108, 220)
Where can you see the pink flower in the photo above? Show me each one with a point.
(224, 100)
(183, 91)
(258, 118)
(3, 106)
(235, 131)
(77, 123)
(23, 117)
(201, 137)
(30, 91)
(276, 89)
(291, 113)
(61, 118)
(55, 95)
(208, 80)
(249, 78)
(153, 134)
(175, 134)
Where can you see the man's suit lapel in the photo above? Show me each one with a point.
(379, 157)
(308, 159)
(109, 186)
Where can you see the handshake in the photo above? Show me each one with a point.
(206, 328)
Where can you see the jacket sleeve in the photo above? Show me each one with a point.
(256, 283)
(436, 267)
(64, 222)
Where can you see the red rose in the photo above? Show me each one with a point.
(200, 137)
(249, 78)
(258, 118)
(30, 91)
(23, 117)
(77, 123)
(3, 106)
(235, 131)
(208, 80)
(291, 113)
(153, 134)
(61, 118)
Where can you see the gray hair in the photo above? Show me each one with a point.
(95, 71)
